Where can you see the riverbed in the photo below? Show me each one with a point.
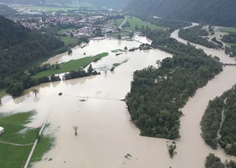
(105, 133)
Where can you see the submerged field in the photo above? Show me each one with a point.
(17, 141)
(72, 65)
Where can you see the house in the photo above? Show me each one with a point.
(1, 130)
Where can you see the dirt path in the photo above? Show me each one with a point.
(15, 144)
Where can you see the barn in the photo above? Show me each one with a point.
(1, 130)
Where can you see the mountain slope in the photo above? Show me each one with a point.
(20, 46)
(217, 12)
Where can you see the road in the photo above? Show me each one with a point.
(121, 25)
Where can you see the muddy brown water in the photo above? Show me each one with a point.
(105, 134)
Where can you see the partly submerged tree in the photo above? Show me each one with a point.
(158, 63)
(90, 69)
(35, 91)
(75, 129)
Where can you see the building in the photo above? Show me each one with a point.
(1, 130)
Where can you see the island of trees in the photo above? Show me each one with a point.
(218, 123)
(157, 94)
(213, 161)
(195, 35)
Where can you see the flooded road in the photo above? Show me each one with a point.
(105, 134)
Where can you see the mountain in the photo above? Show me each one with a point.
(6, 11)
(108, 3)
(216, 12)
(20, 47)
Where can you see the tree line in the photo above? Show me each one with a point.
(213, 161)
(157, 94)
(194, 35)
(210, 124)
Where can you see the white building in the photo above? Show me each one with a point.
(1, 130)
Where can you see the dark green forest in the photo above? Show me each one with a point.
(157, 94)
(211, 120)
(21, 47)
(194, 35)
(6, 11)
(229, 38)
(213, 161)
(215, 12)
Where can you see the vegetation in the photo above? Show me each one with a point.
(194, 34)
(171, 149)
(80, 73)
(168, 23)
(229, 29)
(72, 65)
(134, 24)
(212, 118)
(211, 12)
(157, 94)
(213, 161)
(229, 38)
(32, 45)
(230, 50)
(17, 132)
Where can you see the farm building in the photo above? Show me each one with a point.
(1, 130)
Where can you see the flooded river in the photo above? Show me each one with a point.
(105, 134)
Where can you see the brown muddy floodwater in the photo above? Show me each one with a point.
(105, 133)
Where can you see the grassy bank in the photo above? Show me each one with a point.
(72, 65)
(229, 29)
(16, 132)
(63, 30)
(134, 21)
(2, 93)
(68, 40)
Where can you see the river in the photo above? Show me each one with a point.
(105, 134)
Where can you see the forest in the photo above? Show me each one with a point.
(229, 38)
(169, 23)
(210, 124)
(213, 161)
(214, 12)
(194, 35)
(230, 50)
(157, 94)
(21, 47)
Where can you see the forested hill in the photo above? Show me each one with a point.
(109, 3)
(216, 12)
(20, 46)
(6, 11)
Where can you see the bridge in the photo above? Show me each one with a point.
(228, 64)
(98, 98)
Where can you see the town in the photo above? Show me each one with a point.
(72, 22)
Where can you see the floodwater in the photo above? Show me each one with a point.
(96, 47)
(105, 134)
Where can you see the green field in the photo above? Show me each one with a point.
(63, 30)
(122, 33)
(2, 93)
(50, 9)
(12, 156)
(68, 40)
(118, 22)
(133, 21)
(72, 65)
(229, 29)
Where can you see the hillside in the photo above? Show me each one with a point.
(20, 46)
(6, 11)
(216, 12)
